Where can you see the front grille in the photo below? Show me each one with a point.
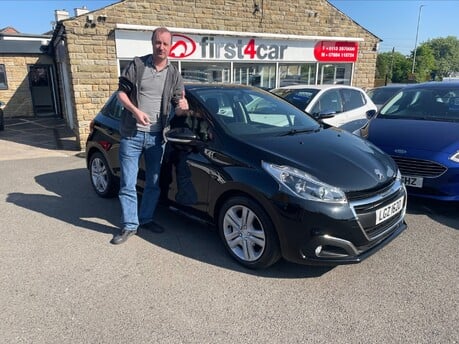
(365, 210)
(353, 196)
(420, 168)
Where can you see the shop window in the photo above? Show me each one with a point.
(255, 74)
(3, 79)
(123, 64)
(335, 74)
(292, 74)
(205, 72)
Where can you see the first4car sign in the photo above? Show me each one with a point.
(237, 48)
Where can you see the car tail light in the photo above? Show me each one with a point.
(105, 145)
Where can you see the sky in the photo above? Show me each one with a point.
(395, 22)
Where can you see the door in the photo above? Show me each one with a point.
(41, 89)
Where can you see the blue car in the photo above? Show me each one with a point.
(419, 128)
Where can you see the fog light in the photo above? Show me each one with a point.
(318, 250)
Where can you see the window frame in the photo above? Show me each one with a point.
(3, 85)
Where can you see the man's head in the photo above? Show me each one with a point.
(161, 40)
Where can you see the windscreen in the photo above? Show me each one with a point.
(249, 111)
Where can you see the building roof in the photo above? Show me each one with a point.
(22, 47)
(9, 29)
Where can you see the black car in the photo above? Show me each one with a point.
(380, 95)
(275, 182)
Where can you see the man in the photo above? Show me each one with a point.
(147, 88)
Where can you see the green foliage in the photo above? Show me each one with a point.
(435, 59)
(425, 63)
(393, 67)
(446, 55)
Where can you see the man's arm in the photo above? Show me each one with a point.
(140, 116)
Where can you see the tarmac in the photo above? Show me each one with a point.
(37, 137)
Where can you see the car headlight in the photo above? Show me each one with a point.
(454, 157)
(399, 175)
(304, 185)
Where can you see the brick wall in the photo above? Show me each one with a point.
(18, 97)
(92, 56)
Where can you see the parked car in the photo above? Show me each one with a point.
(2, 119)
(343, 106)
(419, 128)
(274, 181)
(380, 95)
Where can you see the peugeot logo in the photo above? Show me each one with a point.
(379, 174)
(183, 46)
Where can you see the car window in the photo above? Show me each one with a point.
(381, 95)
(352, 99)
(424, 103)
(252, 112)
(298, 97)
(113, 108)
(329, 102)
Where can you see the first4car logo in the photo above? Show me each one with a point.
(182, 47)
(185, 46)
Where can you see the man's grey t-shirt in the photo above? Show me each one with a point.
(150, 94)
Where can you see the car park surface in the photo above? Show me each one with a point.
(419, 128)
(342, 106)
(274, 182)
(63, 282)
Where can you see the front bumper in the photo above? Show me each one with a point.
(322, 234)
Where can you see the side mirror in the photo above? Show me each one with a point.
(324, 115)
(183, 136)
(371, 114)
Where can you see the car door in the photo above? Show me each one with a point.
(354, 106)
(187, 171)
(329, 102)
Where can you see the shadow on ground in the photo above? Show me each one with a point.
(445, 213)
(74, 202)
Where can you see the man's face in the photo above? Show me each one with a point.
(162, 45)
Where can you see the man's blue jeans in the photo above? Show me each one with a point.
(131, 149)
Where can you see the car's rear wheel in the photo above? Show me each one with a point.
(248, 233)
(103, 181)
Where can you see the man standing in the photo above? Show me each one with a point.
(148, 87)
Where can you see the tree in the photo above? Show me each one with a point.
(435, 59)
(393, 67)
(425, 63)
(446, 55)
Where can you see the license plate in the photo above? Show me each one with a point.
(389, 210)
(415, 182)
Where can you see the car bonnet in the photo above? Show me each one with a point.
(331, 155)
(435, 136)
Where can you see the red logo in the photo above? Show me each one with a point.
(182, 46)
(336, 51)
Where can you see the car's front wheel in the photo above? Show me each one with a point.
(102, 179)
(248, 233)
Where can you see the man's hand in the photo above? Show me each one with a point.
(141, 117)
(182, 105)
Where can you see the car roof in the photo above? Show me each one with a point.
(209, 85)
(318, 87)
(392, 86)
(435, 85)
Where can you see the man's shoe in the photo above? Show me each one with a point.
(153, 227)
(125, 234)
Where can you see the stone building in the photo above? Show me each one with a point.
(263, 43)
(26, 74)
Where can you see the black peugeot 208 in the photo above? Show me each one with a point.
(274, 181)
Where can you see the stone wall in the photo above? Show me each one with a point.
(92, 55)
(18, 97)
